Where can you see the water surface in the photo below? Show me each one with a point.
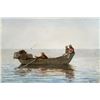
(85, 65)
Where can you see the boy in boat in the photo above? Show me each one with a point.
(70, 51)
(66, 50)
(43, 56)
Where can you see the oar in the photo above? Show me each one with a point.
(29, 63)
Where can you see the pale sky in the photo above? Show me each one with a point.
(50, 33)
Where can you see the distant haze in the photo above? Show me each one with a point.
(50, 33)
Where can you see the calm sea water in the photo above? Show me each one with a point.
(85, 64)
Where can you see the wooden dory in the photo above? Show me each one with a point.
(62, 60)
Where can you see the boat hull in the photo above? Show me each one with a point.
(64, 66)
(50, 61)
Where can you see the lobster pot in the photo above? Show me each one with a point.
(29, 56)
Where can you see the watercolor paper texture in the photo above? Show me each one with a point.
(47, 33)
(50, 35)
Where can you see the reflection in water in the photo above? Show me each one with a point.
(66, 70)
(22, 71)
(69, 74)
